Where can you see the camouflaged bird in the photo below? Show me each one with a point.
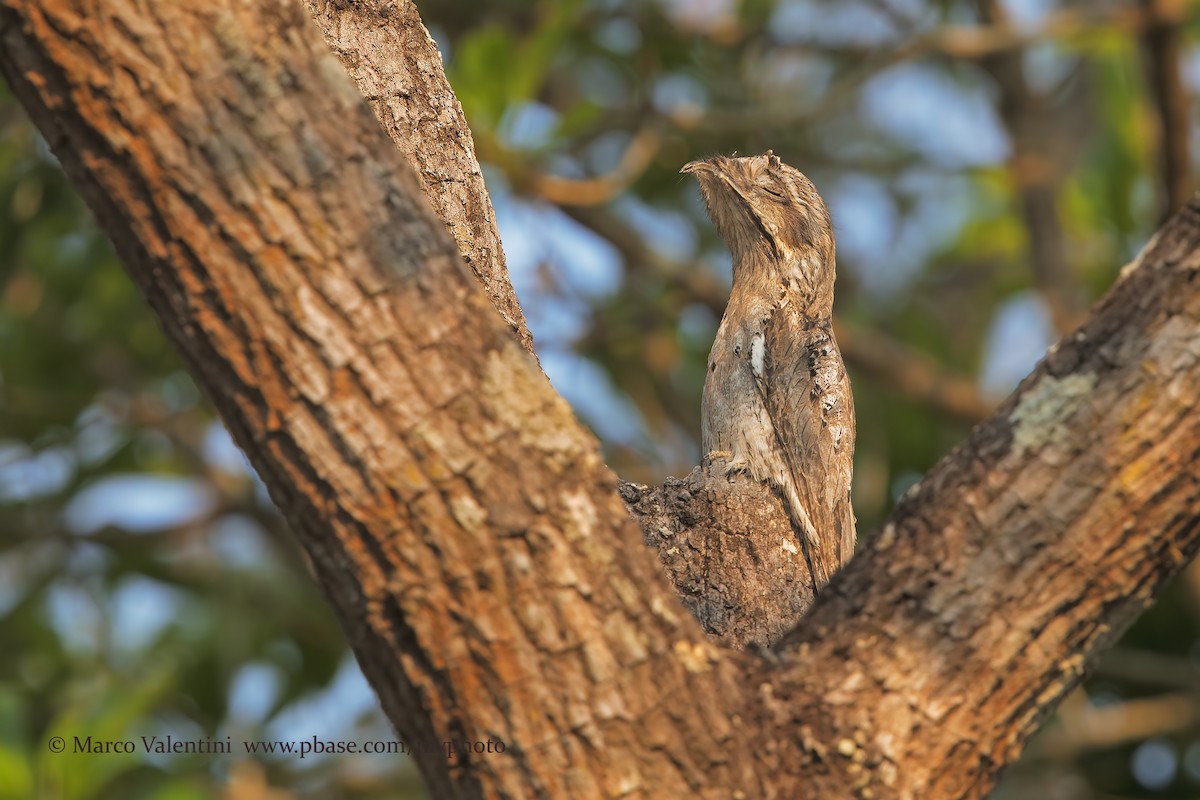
(777, 401)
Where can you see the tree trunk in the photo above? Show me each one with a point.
(489, 577)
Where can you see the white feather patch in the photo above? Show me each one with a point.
(758, 355)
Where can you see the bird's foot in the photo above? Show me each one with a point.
(725, 463)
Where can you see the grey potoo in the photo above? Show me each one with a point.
(777, 401)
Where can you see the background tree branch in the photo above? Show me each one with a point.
(1162, 46)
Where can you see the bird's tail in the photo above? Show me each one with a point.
(820, 564)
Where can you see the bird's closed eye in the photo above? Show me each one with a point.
(774, 193)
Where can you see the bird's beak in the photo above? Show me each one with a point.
(697, 166)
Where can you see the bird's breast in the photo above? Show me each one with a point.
(733, 416)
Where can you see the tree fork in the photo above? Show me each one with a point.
(462, 523)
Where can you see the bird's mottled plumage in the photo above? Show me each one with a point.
(777, 401)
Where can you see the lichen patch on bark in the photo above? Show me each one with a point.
(1041, 415)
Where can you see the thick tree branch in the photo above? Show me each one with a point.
(397, 67)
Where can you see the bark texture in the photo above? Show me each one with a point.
(728, 545)
(462, 523)
(396, 65)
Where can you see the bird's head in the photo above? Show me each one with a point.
(769, 214)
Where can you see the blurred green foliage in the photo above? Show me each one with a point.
(146, 585)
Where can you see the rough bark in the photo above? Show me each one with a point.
(396, 65)
(461, 521)
(728, 545)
